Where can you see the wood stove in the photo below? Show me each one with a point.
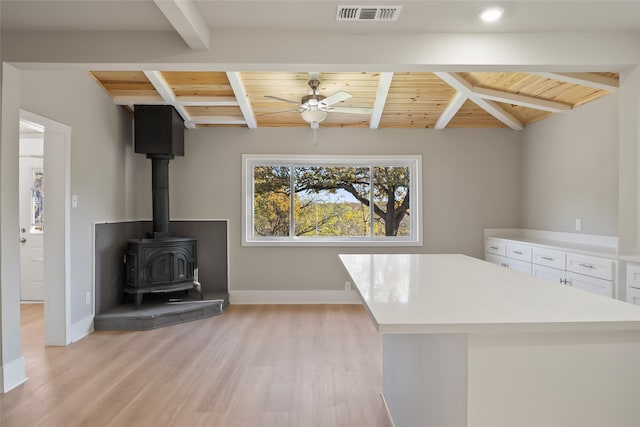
(161, 262)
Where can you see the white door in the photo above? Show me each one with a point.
(31, 230)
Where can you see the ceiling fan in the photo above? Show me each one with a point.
(314, 108)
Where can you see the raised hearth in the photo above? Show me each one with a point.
(158, 310)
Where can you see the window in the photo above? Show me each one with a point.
(331, 200)
(37, 201)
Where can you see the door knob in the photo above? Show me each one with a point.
(23, 240)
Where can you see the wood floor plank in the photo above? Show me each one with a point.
(267, 365)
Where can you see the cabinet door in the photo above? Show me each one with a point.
(522, 266)
(548, 273)
(495, 259)
(633, 295)
(591, 284)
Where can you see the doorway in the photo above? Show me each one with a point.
(31, 205)
(51, 225)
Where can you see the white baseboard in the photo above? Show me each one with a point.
(12, 375)
(81, 329)
(294, 297)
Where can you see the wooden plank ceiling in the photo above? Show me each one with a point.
(390, 100)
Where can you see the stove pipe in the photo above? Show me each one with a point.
(159, 133)
(160, 193)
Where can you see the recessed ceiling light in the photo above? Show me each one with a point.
(492, 14)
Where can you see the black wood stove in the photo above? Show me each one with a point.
(162, 262)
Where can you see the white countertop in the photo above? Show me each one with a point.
(411, 293)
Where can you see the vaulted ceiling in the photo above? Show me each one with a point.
(382, 99)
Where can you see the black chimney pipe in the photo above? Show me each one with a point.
(160, 193)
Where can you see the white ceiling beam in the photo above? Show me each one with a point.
(187, 21)
(218, 120)
(165, 91)
(207, 101)
(461, 85)
(243, 100)
(521, 100)
(452, 109)
(187, 101)
(595, 81)
(140, 100)
(384, 83)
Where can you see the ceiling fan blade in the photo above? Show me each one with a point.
(277, 98)
(351, 110)
(294, 110)
(335, 98)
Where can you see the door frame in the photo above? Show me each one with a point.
(57, 262)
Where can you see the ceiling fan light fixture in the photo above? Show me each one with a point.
(314, 116)
(492, 14)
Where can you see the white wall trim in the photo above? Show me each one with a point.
(81, 329)
(12, 375)
(294, 297)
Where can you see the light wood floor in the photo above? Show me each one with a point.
(253, 366)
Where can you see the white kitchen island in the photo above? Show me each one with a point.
(467, 343)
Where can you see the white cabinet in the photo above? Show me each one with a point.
(549, 273)
(590, 266)
(495, 246)
(518, 251)
(586, 272)
(579, 281)
(591, 284)
(633, 283)
(509, 254)
(550, 258)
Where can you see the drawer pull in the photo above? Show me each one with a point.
(546, 258)
(586, 265)
(494, 247)
(518, 252)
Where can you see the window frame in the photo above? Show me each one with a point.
(413, 162)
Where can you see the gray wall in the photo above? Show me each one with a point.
(570, 170)
(470, 181)
(100, 143)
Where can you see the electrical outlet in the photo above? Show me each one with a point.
(87, 297)
(578, 224)
(347, 286)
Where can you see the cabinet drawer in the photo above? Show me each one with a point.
(633, 275)
(495, 246)
(591, 284)
(550, 258)
(521, 252)
(591, 266)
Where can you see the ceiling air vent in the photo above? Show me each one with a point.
(368, 13)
